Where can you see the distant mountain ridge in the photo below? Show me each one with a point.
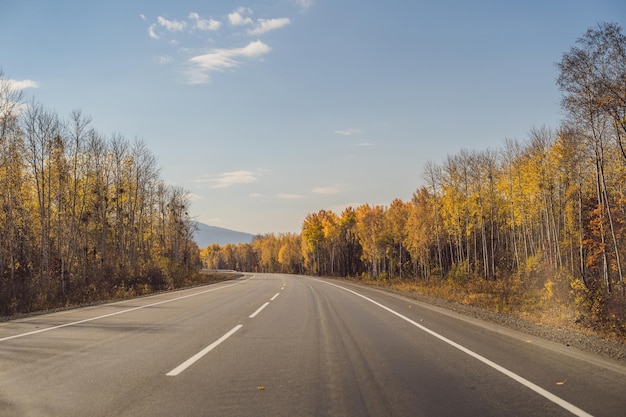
(206, 235)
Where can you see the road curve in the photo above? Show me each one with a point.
(285, 345)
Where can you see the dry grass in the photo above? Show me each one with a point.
(125, 292)
(543, 301)
(206, 277)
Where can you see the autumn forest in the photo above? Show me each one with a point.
(83, 217)
(540, 220)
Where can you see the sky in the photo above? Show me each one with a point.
(268, 110)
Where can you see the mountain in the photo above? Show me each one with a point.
(206, 235)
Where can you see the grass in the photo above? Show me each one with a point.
(554, 301)
(210, 277)
(124, 293)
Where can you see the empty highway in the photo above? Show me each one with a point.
(285, 345)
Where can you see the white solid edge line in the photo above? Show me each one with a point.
(195, 358)
(253, 315)
(74, 323)
(274, 297)
(544, 393)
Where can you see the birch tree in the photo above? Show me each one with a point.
(592, 78)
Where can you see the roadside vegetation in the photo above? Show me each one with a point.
(83, 217)
(536, 228)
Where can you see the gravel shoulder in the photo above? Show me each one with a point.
(611, 349)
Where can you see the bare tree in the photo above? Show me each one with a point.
(432, 173)
(11, 183)
(10, 103)
(593, 76)
(41, 129)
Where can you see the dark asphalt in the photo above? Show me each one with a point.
(315, 349)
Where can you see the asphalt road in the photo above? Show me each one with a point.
(282, 345)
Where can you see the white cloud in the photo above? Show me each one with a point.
(152, 33)
(347, 132)
(326, 190)
(22, 84)
(171, 25)
(291, 196)
(364, 144)
(237, 18)
(228, 179)
(267, 25)
(205, 24)
(185, 33)
(221, 59)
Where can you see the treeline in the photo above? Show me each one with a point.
(82, 216)
(266, 253)
(552, 205)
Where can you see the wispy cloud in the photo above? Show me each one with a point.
(326, 190)
(267, 25)
(165, 59)
(143, 17)
(22, 84)
(152, 33)
(204, 24)
(364, 144)
(171, 25)
(197, 66)
(222, 59)
(16, 86)
(347, 132)
(228, 179)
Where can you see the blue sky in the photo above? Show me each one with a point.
(268, 110)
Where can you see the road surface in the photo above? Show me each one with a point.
(284, 345)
